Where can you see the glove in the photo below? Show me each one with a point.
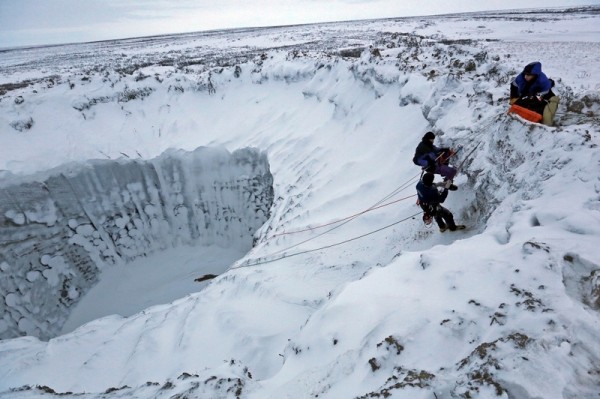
(430, 169)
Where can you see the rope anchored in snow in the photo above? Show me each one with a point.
(312, 228)
(380, 204)
(350, 218)
(459, 167)
(264, 260)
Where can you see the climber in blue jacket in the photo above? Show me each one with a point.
(430, 200)
(434, 159)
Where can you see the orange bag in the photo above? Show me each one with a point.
(525, 113)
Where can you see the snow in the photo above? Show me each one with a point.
(110, 213)
(345, 293)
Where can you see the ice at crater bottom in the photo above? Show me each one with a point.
(125, 228)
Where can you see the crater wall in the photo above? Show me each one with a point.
(59, 230)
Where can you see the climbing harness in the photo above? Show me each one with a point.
(442, 158)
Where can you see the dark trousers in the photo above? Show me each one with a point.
(443, 217)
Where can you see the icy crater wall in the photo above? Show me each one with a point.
(58, 231)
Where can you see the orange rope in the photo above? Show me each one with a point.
(339, 220)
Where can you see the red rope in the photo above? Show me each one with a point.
(339, 220)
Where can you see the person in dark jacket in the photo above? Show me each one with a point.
(430, 200)
(431, 158)
(533, 90)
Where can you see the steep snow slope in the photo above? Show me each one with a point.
(61, 230)
(327, 304)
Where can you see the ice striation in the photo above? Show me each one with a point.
(58, 231)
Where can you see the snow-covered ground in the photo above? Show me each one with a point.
(345, 293)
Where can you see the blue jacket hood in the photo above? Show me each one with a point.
(540, 85)
(534, 68)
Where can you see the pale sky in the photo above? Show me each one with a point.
(35, 22)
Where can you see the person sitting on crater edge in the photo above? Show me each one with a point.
(531, 89)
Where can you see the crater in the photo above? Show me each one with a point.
(81, 238)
